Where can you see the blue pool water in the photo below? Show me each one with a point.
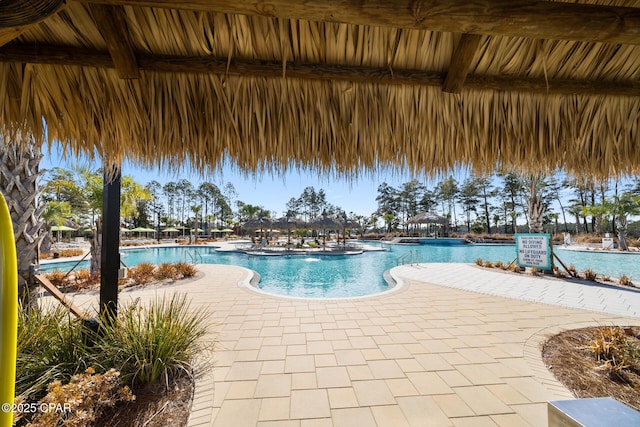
(338, 276)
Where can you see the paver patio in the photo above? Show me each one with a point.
(425, 355)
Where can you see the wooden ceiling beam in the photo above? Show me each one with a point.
(517, 18)
(461, 61)
(71, 56)
(112, 24)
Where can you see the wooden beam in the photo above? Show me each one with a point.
(461, 62)
(112, 24)
(518, 18)
(71, 56)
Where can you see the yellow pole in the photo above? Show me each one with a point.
(8, 315)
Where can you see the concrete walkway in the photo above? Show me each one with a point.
(443, 350)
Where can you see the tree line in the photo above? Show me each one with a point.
(495, 203)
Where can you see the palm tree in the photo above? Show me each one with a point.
(19, 174)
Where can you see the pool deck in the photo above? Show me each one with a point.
(457, 345)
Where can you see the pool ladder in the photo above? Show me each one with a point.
(194, 256)
(410, 257)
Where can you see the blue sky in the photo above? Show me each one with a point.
(269, 191)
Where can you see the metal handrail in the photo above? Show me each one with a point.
(412, 256)
(194, 256)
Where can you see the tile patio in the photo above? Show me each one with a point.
(444, 350)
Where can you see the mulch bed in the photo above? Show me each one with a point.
(570, 356)
(156, 405)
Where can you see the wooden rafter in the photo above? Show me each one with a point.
(42, 54)
(518, 18)
(461, 62)
(111, 22)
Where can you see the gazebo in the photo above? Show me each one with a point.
(434, 223)
(342, 87)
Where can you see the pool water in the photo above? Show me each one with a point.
(340, 276)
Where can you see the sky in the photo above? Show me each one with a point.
(269, 191)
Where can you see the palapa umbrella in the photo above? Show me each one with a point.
(170, 230)
(347, 223)
(258, 223)
(287, 223)
(324, 222)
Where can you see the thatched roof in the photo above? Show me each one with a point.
(340, 86)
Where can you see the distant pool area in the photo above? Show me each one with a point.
(344, 276)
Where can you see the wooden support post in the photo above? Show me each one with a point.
(564, 266)
(110, 255)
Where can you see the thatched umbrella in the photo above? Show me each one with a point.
(288, 223)
(258, 223)
(346, 224)
(324, 222)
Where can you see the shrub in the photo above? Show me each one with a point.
(488, 264)
(572, 269)
(82, 400)
(70, 252)
(535, 272)
(50, 347)
(515, 268)
(625, 281)
(499, 264)
(153, 343)
(166, 271)
(479, 261)
(83, 276)
(185, 270)
(142, 274)
(591, 275)
(613, 348)
(57, 278)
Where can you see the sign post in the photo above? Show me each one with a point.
(534, 250)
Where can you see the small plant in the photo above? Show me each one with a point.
(499, 264)
(606, 278)
(488, 264)
(141, 274)
(57, 278)
(590, 275)
(625, 281)
(515, 268)
(558, 273)
(613, 348)
(479, 262)
(153, 343)
(535, 272)
(70, 252)
(82, 400)
(185, 270)
(166, 271)
(572, 270)
(50, 347)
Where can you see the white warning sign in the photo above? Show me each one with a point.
(534, 250)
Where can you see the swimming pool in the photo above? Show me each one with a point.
(340, 276)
